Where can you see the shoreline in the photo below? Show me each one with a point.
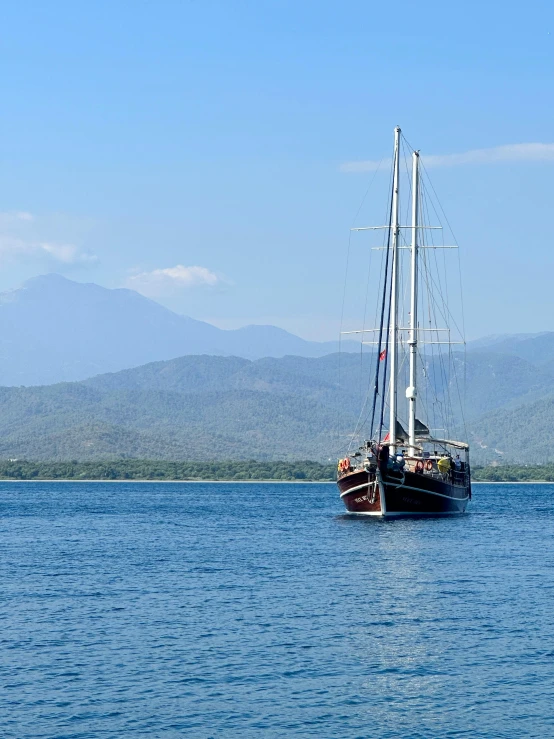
(512, 482)
(196, 482)
(247, 482)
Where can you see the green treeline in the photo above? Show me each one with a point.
(514, 473)
(141, 469)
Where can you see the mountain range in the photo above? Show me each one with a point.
(53, 329)
(257, 392)
(210, 407)
(188, 408)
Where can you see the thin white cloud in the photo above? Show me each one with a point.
(21, 239)
(160, 282)
(14, 218)
(13, 248)
(507, 153)
(67, 253)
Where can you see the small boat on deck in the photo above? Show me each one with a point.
(417, 472)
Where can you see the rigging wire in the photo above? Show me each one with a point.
(384, 258)
(462, 395)
(344, 291)
(439, 367)
(445, 405)
(339, 406)
(446, 312)
(443, 308)
(379, 341)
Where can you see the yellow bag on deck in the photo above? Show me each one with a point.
(444, 465)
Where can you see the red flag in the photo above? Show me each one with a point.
(382, 355)
(387, 437)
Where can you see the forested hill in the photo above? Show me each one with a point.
(185, 409)
(214, 408)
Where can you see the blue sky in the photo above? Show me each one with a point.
(139, 140)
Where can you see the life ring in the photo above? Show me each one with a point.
(346, 462)
(419, 466)
(428, 465)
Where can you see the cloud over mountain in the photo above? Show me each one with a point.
(160, 282)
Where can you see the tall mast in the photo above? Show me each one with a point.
(411, 392)
(394, 294)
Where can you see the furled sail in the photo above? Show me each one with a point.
(401, 434)
(420, 428)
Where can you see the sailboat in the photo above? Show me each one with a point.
(395, 472)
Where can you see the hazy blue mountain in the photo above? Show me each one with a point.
(489, 343)
(214, 399)
(536, 348)
(53, 329)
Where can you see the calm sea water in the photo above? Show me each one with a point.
(245, 610)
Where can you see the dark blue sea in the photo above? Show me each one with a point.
(261, 610)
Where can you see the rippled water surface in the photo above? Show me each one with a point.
(246, 610)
